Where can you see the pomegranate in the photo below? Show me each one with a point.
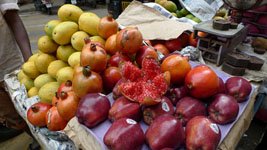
(67, 104)
(94, 56)
(129, 40)
(107, 26)
(86, 81)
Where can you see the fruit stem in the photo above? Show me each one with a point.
(189, 86)
(68, 83)
(63, 95)
(87, 71)
(87, 40)
(93, 47)
(56, 94)
(110, 17)
(34, 109)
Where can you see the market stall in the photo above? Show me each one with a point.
(89, 120)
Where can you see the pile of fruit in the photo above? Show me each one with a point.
(171, 7)
(95, 58)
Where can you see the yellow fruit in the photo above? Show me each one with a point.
(64, 74)
(21, 75)
(28, 83)
(174, 14)
(42, 80)
(30, 70)
(88, 22)
(218, 17)
(33, 57)
(221, 13)
(55, 66)
(69, 12)
(49, 27)
(62, 32)
(74, 59)
(47, 45)
(161, 2)
(64, 52)
(77, 40)
(32, 92)
(170, 6)
(157, 1)
(47, 92)
(98, 38)
(42, 62)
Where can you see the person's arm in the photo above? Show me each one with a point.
(16, 25)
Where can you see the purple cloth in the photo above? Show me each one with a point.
(100, 130)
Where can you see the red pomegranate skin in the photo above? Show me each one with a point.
(115, 91)
(124, 134)
(93, 109)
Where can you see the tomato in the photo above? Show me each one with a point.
(143, 52)
(117, 58)
(110, 77)
(86, 81)
(54, 121)
(37, 112)
(202, 82)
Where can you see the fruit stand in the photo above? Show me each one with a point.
(97, 84)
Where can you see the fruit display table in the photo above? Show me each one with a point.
(87, 139)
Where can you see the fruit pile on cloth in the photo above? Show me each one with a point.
(47, 139)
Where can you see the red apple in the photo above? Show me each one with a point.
(221, 88)
(173, 45)
(117, 58)
(165, 131)
(176, 93)
(150, 113)
(124, 134)
(202, 133)
(188, 108)
(238, 87)
(223, 109)
(143, 52)
(93, 109)
(124, 108)
(110, 77)
(37, 112)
